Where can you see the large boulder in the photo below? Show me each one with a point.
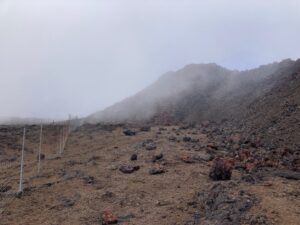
(221, 169)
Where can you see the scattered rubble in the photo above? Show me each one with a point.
(222, 204)
(185, 162)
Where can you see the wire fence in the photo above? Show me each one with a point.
(22, 165)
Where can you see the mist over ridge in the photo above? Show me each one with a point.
(196, 92)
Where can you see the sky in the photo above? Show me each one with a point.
(60, 57)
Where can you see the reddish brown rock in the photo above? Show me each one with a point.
(109, 218)
(243, 155)
(186, 159)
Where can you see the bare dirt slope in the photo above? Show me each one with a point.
(80, 185)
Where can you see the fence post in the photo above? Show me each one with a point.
(40, 149)
(60, 141)
(63, 139)
(22, 163)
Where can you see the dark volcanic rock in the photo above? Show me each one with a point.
(128, 168)
(68, 202)
(157, 157)
(186, 139)
(221, 169)
(157, 170)
(129, 132)
(133, 157)
(221, 205)
(42, 156)
(5, 188)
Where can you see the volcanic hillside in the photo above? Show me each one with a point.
(201, 92)
(202, 146)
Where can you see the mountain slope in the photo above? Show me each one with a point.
(195, 93)
(276, 114)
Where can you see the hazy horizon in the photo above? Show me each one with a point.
(78, 57)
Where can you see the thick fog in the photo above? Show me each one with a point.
(80, 56)
(197, 92)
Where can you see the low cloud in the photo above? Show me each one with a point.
(61, 57)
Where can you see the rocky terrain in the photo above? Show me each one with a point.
(211, 147)
(209, 173)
